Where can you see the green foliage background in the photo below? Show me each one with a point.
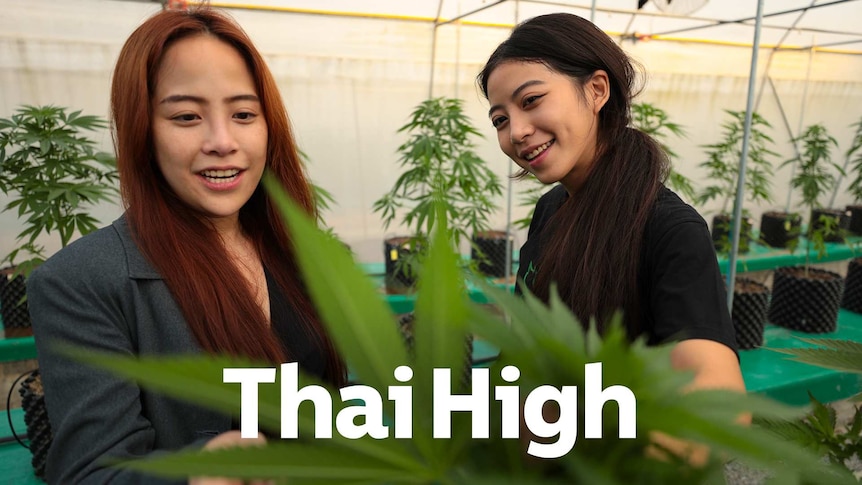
(53, 175)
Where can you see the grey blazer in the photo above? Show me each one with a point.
(101, 293)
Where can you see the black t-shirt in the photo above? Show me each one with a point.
(292, 334)
(682, 291)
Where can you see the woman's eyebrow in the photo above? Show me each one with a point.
(178, 98)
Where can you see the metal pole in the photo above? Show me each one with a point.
(434, 49)
(593, 12)
(789, 132)
(508, 273)
(457, 51)
(736, 222)
(801, 122)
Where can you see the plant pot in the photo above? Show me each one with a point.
(779, 229)
(490, 249)
(399, 278)
(852, 299)
(854, 219)
(406, 327)
(16, 316)
(750, 304)
(36, 419)
(841, 223)
(806, 303)
(721, 233)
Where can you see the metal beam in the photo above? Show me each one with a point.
(774, 49)
(747, 19)
(465, 15)
(736, 220)
(828, 44)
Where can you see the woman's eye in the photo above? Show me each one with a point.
(245, 116)
(186, 118)
(531, 99)
(498, 121)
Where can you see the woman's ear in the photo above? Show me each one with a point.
(598, 90)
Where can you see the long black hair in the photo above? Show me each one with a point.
(593, 244)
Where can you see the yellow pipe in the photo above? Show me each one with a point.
(839, 51)
(508, 26)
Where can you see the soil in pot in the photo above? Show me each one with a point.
(399, 279)
(750, 304)
(842, 221)
(806, 303)
(778, 229)
(490, 251)
(13, 306)
(854, 219)
(721, 233)
(852, 299)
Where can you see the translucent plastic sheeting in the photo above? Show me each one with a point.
(350, 82)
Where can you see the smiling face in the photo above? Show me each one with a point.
(545, 122)
(209, 131)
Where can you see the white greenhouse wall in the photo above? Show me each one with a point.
(349, 83)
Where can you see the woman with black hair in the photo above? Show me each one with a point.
(611, 236)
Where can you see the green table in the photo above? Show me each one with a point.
(774, 375)
(15, 459)
(760, 258)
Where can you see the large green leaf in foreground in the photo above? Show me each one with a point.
(545, 343)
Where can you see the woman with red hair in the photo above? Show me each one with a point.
(199, 262)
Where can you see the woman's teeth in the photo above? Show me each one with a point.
(220, 176)
(535, 153)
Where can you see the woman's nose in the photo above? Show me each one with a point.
(519, 129)
(220, 139)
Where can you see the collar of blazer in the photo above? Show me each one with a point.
(139, 267)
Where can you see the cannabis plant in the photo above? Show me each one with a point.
(545, 345)
(654, 121)
(439, 163)
(530, 195)
(723, 162)
(813, 179)
(52, 175)
(819, 430)
(323, 199)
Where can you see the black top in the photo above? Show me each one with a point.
(292, 333)
(682, 291)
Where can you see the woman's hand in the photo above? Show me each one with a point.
(230, 439)
(715, 366)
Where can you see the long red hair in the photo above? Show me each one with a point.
(214, 298)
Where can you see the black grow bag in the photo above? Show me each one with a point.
(490, 249)
(852, 299)
(778, 229)
(13, 307)
(806, 304)
(854, 219)
(399, 277)
(36, 418)
(841, 222)
(750, 304)
(721, 233)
